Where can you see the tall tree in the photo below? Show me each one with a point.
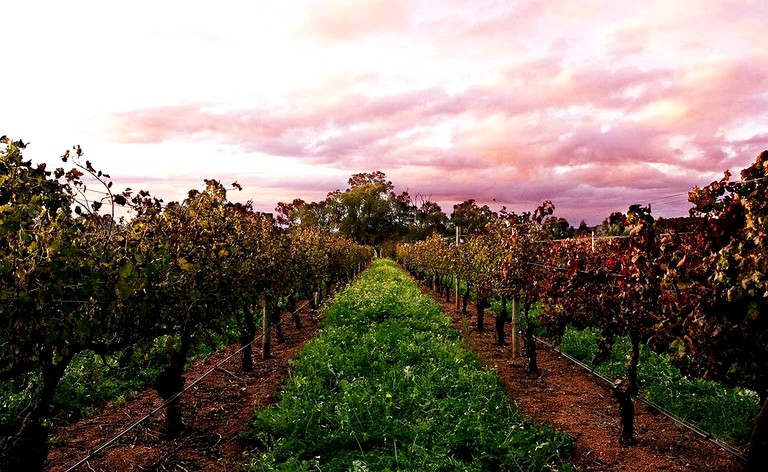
(369, 211)
(614, 225)
(304, 214)
(425, 219)
(557, 228)
(471, 217)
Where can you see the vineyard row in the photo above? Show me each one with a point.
(148, 289)
(699, 295)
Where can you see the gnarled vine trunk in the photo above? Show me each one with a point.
(501, 319)
(28, 448)
(275, 314)
(481, 303)
(291, 307)
(465, 300)
(169, 383)
(530, 341)
(604, 349)
(624, 390)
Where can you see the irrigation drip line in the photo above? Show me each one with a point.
(691, 427)
(170, 400)
(756, 179)
(563, 269)
(587, 239)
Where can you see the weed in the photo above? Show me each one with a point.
(388, 385)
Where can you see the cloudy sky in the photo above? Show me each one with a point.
(593, 104)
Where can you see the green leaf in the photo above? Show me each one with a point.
(126, 269)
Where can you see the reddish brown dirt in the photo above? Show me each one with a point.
(215, 411)
(219, 408)
(576, 403)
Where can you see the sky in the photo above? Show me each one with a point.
(595, 105)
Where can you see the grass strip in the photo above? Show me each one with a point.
(388, 385)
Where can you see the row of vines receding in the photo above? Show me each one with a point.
(698, 293)
(74, 277)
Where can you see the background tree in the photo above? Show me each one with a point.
(368, 212)
(425, 219)
(471, 217)
(556, 228)
(304, 214)
(583, 229)
(614, 225)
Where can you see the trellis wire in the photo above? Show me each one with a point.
(691, 427)
(170, 400)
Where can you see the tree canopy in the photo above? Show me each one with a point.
(368, 211)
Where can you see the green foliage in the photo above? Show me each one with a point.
(727, 413)
(424, 220)
(16, 397)
(389, 386)
(538, 329)
(382, 295)
(80, 287)
(581, 344)
(614, 225)
(368, 212)
(471, 217)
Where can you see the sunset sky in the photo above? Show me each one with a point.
(593, 104)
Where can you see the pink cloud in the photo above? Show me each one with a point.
(343, 20)
(648, 110)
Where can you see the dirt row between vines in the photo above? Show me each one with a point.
(215, 411)
(220, 407)
(573, 401)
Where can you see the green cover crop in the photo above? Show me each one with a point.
(388, 385)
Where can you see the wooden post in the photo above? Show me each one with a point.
(516, 343)
(458, 231)
(593, 241)
(266, 323)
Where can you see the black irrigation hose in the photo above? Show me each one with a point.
(691, 427)
(176, 395)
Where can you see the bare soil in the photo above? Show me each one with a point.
(219, 408)
(572, 401)
(215, 411)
